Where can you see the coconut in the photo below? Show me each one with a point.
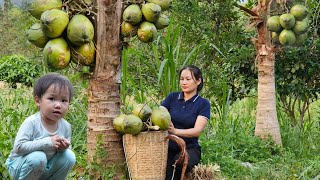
(300, 27)
(80, 30)
(147, 32)
(57, 53)
(132, 124)
(287, 21)
(128, 30)
(151, 11)
(54, 22)
(299, 11)
(275, 37)
(164, 4)
(83, 54)
(118, 123)
(132, 14)
(273, 24)
(37, 7)
(36, 36)
(160, 116)
(287, 37)
(300, 39)
(143, 111)
(162, 22)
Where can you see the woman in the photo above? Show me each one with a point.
(189, 115)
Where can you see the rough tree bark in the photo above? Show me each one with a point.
(104, 87)
(266, 121)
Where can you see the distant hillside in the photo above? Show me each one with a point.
(20, 3)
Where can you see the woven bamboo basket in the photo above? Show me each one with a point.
(146, 155)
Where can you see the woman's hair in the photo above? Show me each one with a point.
(44, 82)
(196, 73)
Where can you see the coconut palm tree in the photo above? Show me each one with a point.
(104, 89)
(266, 119)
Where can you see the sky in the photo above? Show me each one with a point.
(16, 2)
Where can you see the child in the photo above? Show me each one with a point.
(42, 148)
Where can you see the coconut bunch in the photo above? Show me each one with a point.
(145, 19)
(64, 36)
(142, 118)
(290, 28)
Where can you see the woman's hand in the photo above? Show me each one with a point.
(171, 129)
(191, 132)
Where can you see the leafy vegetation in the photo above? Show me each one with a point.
(17, 69)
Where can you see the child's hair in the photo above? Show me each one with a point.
(196, 73)
(44, 82)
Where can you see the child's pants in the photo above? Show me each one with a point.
(35, 166)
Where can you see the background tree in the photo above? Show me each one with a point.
(7, 5)
(297, 71)
(266, 119)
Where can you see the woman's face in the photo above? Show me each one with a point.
(188, 82)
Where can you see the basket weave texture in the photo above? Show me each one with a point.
(146, 155)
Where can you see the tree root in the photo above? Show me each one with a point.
(184, 156)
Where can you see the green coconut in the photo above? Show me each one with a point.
(54, 22)
(273, 24)
(143, 111)
(132, 124)
(164, 4)
(36, 36)
(275, 37)
(151, 11)
(37, 7)
(300, 27)
(162, 22)
(287, 21)
(118, 123)
(80, 30)
(57, 53)
(300, 39)
(83, 54)
(128, 30)
(299, 11)
(132, 14)
(287, 37)
(160, 116)
(147, 32)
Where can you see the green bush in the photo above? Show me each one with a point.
(17, 69)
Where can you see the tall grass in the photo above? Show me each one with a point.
(15, 107)
(241, 155)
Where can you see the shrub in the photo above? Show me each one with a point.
(17, 69)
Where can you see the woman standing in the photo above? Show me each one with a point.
(189, 115)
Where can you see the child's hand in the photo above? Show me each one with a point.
(64, 144)
(56, 141)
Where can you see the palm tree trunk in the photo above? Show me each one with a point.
(104, 94)
(266, 121)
